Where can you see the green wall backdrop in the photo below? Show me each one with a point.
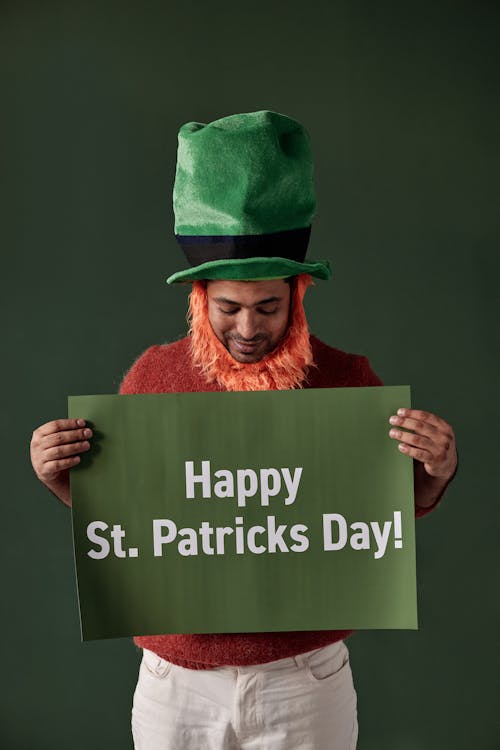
(401, 101)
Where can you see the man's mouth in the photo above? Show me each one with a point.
(246, 347)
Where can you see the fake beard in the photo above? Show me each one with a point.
(282, 369)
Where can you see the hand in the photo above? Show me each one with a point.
(432, 446)
(430, 441)
(55, 449)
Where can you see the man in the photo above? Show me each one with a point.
(243, 202)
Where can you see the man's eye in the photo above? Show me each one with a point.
(268, 312)
(228, 312)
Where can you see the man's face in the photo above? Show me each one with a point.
(249, 317)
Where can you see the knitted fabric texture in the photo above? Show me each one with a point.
(284, 368)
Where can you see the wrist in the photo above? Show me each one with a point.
(60, 489)
(428, 489)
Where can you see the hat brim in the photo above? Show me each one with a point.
(251, 269)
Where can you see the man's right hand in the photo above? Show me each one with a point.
(55, 448)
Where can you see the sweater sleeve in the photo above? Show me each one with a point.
(419, 512)
(367, 376)
(136, 380)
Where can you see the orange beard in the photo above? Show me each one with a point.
(282, 369)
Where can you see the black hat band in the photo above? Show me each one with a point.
(291, 244)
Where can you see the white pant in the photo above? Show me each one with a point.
(304, 702)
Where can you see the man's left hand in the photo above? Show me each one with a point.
(431, 441)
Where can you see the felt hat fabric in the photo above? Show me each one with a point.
(244, 199)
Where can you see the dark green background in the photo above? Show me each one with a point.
(401, 101)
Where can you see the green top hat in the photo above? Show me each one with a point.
(244, 199)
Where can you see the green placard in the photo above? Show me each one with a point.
(243, 512)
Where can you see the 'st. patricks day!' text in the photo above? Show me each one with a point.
(241, 486)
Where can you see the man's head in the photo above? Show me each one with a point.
(243, 203)
(249, 335)
(249, 318)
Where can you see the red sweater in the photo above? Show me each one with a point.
(168, 369)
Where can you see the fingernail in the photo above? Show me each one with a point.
(401, 412)
(394, 419)
(87, 433)
(80, 422)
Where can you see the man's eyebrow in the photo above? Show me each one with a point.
(226, 301)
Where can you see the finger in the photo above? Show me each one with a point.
(64, 451)
(410, 438)
(421, 428)
(425, 416)
(419, 453)
(59, 424)
(53, 468)
(425, 428)
(65, 437)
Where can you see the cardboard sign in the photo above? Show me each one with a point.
(243, 512)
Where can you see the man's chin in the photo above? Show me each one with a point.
(246, 359)
(253, 355)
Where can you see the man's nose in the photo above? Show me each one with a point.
(247, 324)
